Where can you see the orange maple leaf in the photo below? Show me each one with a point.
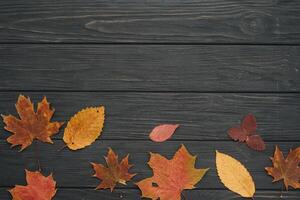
(171, 177)
(39, 187)
(286, 169)
(31, 124)
(114, 173)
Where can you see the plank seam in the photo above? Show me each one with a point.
(176, 140)
(157, 91)
(151, 43)
(136, 188)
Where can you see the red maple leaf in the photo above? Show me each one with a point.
(171, 177)
(246, 132)
(39, 187)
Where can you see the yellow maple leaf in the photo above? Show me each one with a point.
(234, 175)
(84, 128)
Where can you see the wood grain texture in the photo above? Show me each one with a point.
(203, 64)
(133, 194)
(73, 169)
(201, 116)
(150, 68)
(189, 21)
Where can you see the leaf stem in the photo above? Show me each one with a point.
(281, 192)
(36, 154)
(184, 197)
(63, 147)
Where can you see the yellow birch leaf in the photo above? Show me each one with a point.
(84, 128)
(234, 175)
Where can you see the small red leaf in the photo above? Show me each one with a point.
(255, 142)
(163, 132)
(236, 133)
(249, 123)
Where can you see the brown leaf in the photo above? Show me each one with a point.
(114, 173)
(286, 169)
(31, 125)
(246, 132)
(171, 177)
(39, 187)
(255, 142)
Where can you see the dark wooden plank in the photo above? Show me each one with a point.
(149, 68)
(72, 169)
(125, 194)
(251, 21)
(202, 116)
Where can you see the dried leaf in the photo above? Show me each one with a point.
(286, 169)
(246, 132)
(114, 173)
(84, 128)
(31, 125)
(39, 187)
(171, 177)
(163, 132)
(234, 175)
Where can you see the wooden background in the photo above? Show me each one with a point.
(200, 63)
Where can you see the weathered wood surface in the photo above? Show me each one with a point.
(133, 194)
(150, 68)
(188, 21)
(200, 63)
(73, 169)
(202, 116)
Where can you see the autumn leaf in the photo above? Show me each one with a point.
(84, 128)
(163, 132)
(31, 125)
(39, 187)
(246, 132)
(171, 177)
(114, 173)
(286, 169)
(234, 175)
